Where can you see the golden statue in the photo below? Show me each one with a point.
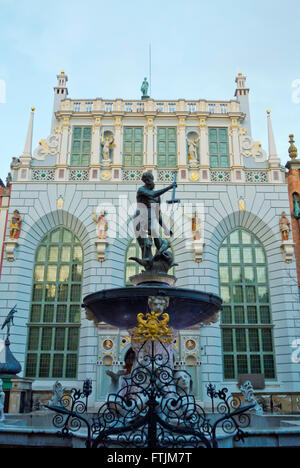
(15, 225)
(196, 225)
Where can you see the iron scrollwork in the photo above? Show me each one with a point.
(153, 408)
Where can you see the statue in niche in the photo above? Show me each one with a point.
(285, 227)
(147, 220)
(145, 88)
(196, 225)
(102, 224)
(15, 225)
(193, 156)
(107, 142)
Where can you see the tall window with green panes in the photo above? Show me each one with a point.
(166, 147)
(81, 146)
(246, 322)
(54, 325)
(133, 138)
(218, 147)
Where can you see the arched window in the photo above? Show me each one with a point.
(246, 322)
(53, 335)
(132, 268)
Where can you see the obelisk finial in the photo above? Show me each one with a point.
(293, 152)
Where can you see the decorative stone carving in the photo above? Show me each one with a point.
(220, 176)
(158, 304)
(198, 247)
(15, 163)
(43, 174)
(214, 319)
(248, 392)
(193, 151)
(57, 398)
(287, 250)
(107, 141)
(79, 175)
(47, 147)
(198, 242)
(101, 246)
(251, 148)
(10, 247)
(253, 177)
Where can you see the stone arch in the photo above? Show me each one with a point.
(32, 236)
(281, 276)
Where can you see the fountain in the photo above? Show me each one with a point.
(152, 406)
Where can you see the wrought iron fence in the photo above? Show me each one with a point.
(153, 408)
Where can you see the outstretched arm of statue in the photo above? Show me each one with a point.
(158, 193)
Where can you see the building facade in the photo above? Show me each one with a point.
(68, 247)
(4, 206)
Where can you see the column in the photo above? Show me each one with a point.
(181, 143)
(62, 156)
(204, 147)
(149, 162)
(96, 142)
(236, 154)
(118, 151)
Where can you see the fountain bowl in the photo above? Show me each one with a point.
(120, 307)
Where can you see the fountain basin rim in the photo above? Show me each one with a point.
(147, 291)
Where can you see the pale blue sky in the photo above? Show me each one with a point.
(198, 47)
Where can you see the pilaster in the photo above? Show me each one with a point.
(118, 151)
(96, 141)
(62, 159)
(181, 142)
(204, 147)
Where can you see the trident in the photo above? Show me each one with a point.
(173, 201)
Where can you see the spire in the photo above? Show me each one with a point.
(242, 95)
(241, 89)
(27, 154)
(274, 160)
(60, 92)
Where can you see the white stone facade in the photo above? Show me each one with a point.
(49, 193)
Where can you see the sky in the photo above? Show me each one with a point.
(198, 47)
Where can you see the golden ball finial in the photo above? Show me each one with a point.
(33, 109)
(240, 74)
(62, 72)
(268, 112)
